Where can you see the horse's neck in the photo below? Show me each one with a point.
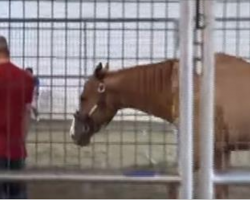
(145, 90)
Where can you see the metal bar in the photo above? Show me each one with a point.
(94, 52)
(137, 44)
(65, 102)
(233, 19)
(176, 39)
(108, 141)
(3, 26)
(224, 26)
(63, 77)
(99, 142)
(115, 1)
(232, 177)
(121, 128)
(207, 105)
(92, 57)
(238, 38)
(62, 176)
(197, 41)
(166, 53)
(197, 14)
(92, 20)
(118, 114)
(52, 49)
(108, 20)
(132, 1)
(38, 65)
(186, 98)
(151, 56)
(82, 63)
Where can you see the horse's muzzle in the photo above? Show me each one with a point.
(82, 129)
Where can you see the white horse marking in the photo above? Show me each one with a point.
(72, 128)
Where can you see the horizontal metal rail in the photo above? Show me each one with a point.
(233, 19)
(104, 142)
(63, 77)
(232, 177)
(117, 115)
(107, 1)
(92, 20)
(109, 20)
(34, 27)
(78, 177)
(127, 1)
(85, 58)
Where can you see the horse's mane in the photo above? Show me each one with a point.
(144, 66)
(149, 77)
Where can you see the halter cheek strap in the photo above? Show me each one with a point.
(93, 109)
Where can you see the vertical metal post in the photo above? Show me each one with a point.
(176, 38)
(207, 105)
(186, 98)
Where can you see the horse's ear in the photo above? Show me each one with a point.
(100, 71)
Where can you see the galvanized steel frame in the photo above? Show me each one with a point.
(207, 104)
(186, 98)
(185, 113)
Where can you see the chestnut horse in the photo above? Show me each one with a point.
(154, 89)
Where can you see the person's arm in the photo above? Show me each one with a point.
(37, 85)
(26, 119)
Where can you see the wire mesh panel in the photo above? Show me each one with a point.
(233, 23)
(232, 37)
(63, 41)
(231, 110)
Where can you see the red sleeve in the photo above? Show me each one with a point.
(29, 89)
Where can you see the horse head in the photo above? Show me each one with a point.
(96, 108)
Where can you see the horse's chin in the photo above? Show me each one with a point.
(94, 130)
(83, 143)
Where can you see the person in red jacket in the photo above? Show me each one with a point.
(16, 91)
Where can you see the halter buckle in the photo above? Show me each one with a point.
(101, 88)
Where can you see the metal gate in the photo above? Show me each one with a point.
(232, 20)
(63, 41)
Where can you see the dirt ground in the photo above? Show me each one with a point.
(58, 190)
(96, 191)
(134, 146)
